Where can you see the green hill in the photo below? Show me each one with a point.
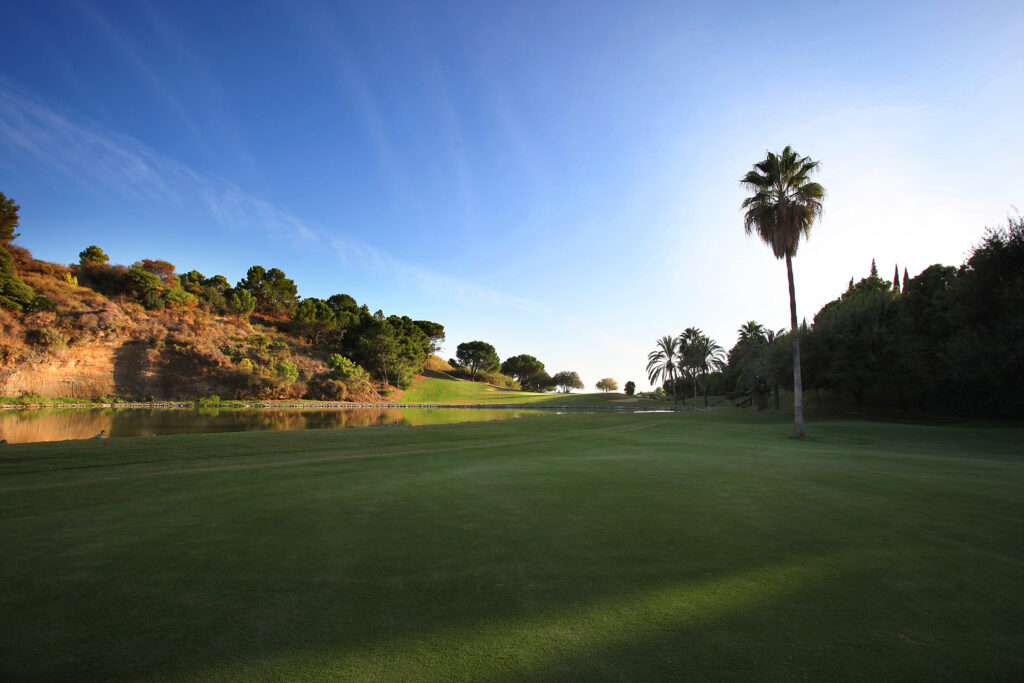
(443, 389)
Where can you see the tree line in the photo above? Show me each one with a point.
(947, 340)
(478, 359)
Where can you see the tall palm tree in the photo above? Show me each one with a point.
(783, 206)
(661, 363)
(689, 364)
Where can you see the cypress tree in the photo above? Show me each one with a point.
(874, 269)
(906, 279)
(896, 279)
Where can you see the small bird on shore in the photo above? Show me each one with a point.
(101, 435)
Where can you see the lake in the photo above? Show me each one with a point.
(56, 424)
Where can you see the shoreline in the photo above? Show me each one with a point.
(326, 405)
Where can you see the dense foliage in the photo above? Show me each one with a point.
(949, 340)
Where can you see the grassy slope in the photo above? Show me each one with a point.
(574, 547)
(439, 388)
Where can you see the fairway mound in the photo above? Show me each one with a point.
(624, 400)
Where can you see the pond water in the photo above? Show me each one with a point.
(19, 426)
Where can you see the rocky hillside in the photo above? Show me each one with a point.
(72, 341)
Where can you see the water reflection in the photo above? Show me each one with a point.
(19, 426)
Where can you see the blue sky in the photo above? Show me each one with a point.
(556, 178)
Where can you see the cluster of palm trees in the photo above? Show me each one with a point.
(689, 356)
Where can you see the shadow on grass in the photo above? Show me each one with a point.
(609, 556)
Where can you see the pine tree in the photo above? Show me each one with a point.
(874, 269)
(896, 279)
(906, 279)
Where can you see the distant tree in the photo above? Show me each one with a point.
(859, 336)
(477, 356)
(144, 285)
(874, 268)
(434, 332)
(8, 219)
(538, 381)
(783, 207)
(286, 371)
(896, 280)
(630, 388)
(662, 363)
(314, 320)
(702, 355)
(380, 345)
(176, 297)
(241, 303)
(906, 279)
(344, 368)
(14, 292)
(342, 302)
(275, 293)
(745, 360)
(689, 363)
(163, 270)
(92, 255)
(521, 367)
(567, 380)
(607, 384)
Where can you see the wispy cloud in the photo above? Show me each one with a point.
(108, 162)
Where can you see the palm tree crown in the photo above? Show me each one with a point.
(785, 202)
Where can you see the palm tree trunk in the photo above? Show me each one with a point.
(798, 387)
(705, 389)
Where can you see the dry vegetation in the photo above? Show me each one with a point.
(91, 346)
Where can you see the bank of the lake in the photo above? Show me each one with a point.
(58, 424)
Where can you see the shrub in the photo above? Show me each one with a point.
(40, 304)
(245, 366)
(152, 301)
(345, 369)
(278, 348)
(176, 297)
(286, 371)
(47, 337)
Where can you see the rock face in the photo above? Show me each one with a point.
(82, 372)
(126, 370)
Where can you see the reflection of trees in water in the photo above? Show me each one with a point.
(58, 424)
(21, 426)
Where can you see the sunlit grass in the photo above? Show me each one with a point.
(439, 388)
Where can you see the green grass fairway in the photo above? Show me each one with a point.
(441, 388)
(686, 546)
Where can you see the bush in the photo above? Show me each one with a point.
(152, 301)
(345, 369)
(245, 366)
(286, 371)
(176, 297)
(47, 337)
(41, 304)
